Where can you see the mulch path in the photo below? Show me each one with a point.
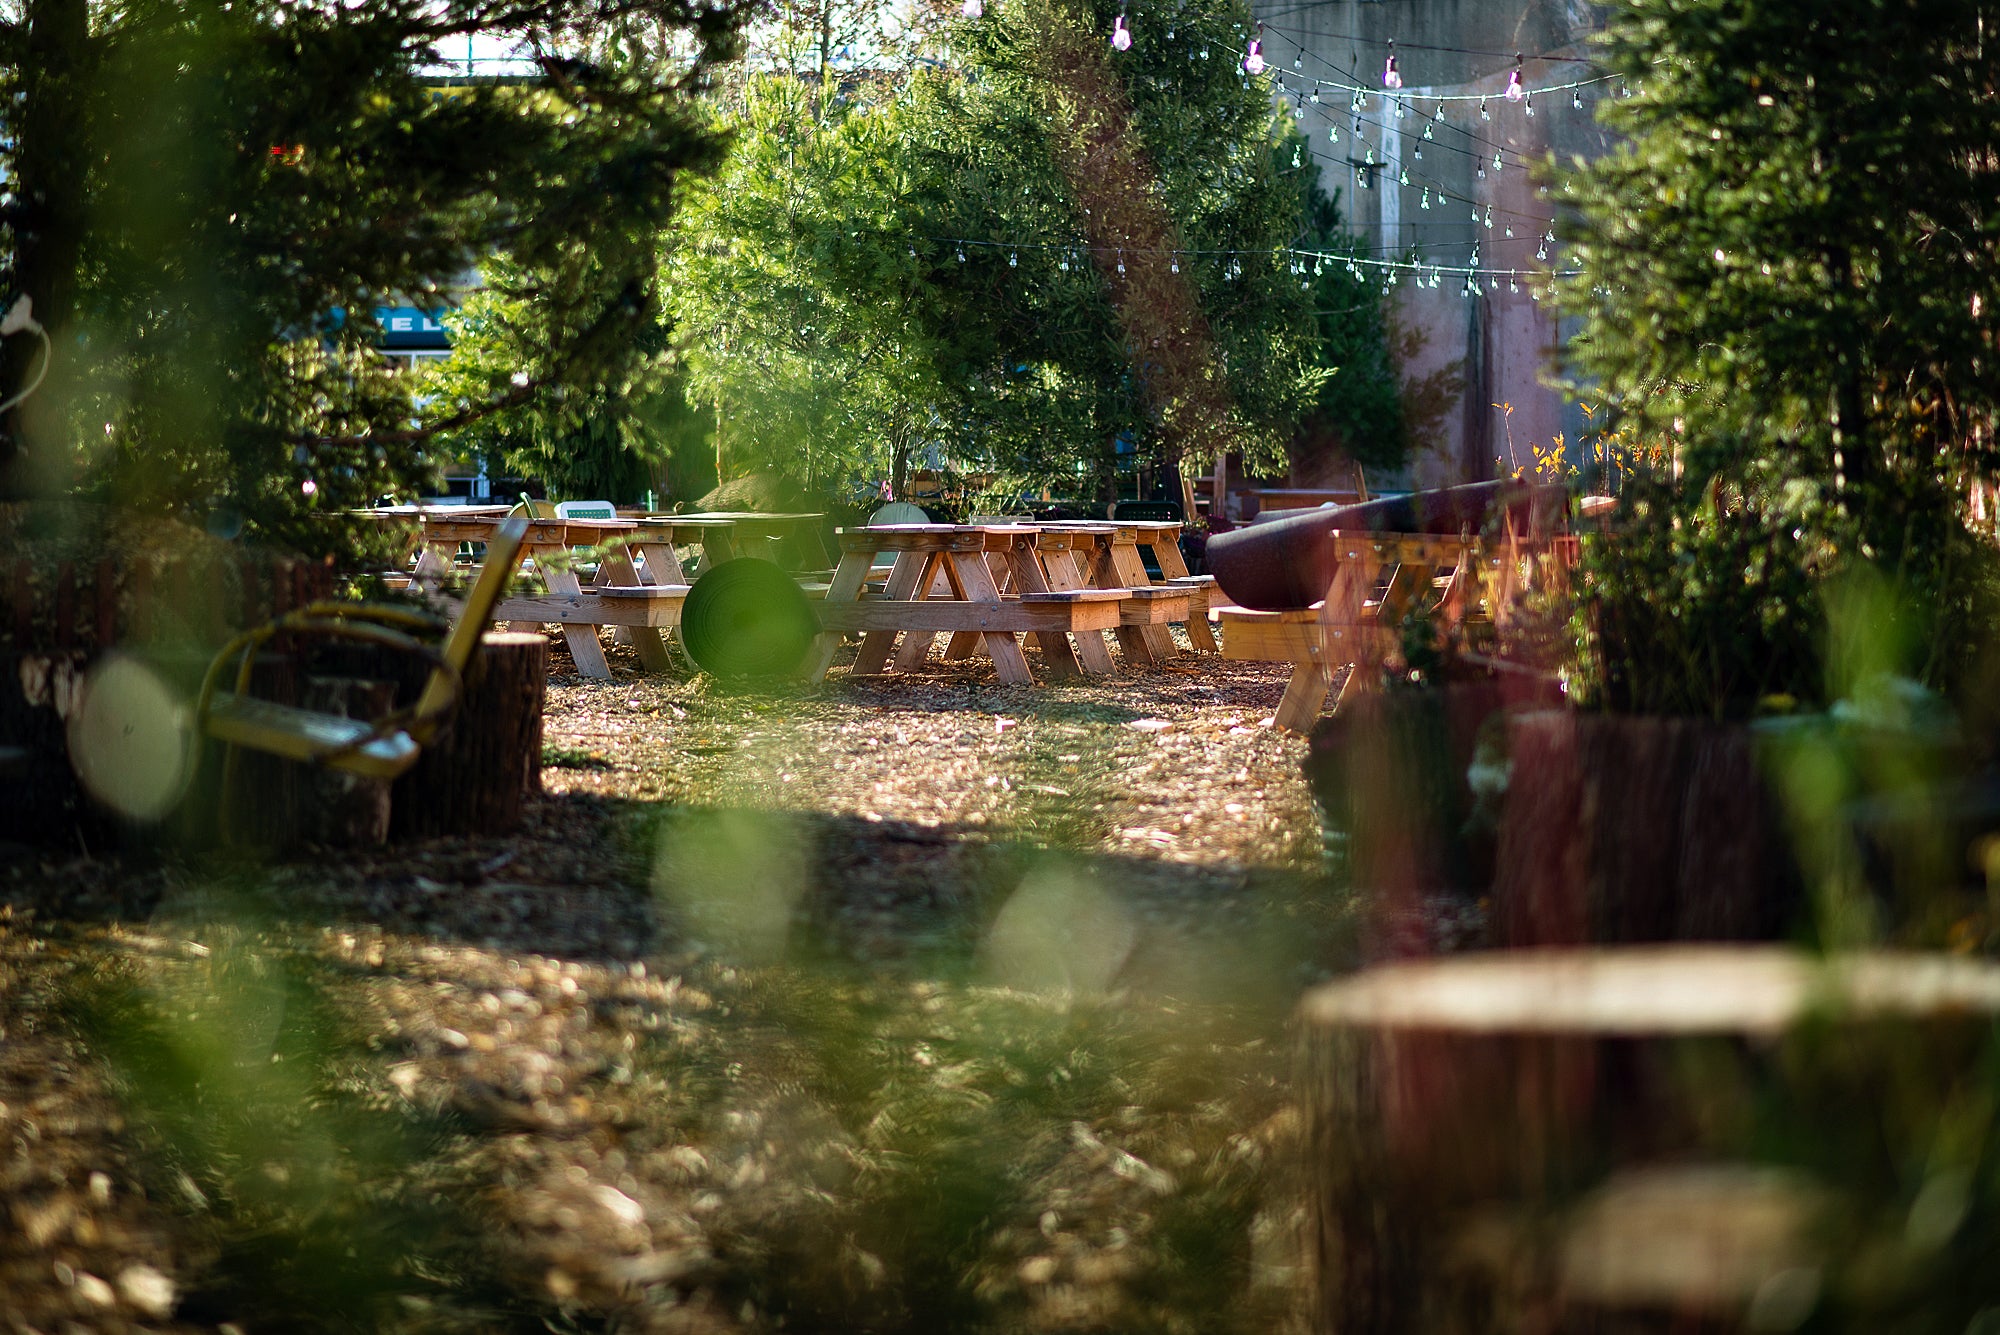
(917, 1003)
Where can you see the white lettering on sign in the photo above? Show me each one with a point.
(402, 324)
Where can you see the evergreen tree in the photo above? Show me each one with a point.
(1786, 279)
(210, 197)
(1044, 253)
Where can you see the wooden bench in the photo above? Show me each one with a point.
(1377, 578)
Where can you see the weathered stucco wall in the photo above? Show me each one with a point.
(1502, 343)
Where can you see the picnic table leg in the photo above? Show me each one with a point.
(848, 580)
(1108, 572)
(663, 564)
(647, 641)
(936, 583)
(977, 582)
(1064, 576)
(965, 643)
(1345, 637)
(717, 546)
(1026, 572)
(584, 650)
(1304, 695)
(1132, 575)
(905, 579)
(1172, 567)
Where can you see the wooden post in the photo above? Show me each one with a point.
(1657, 1139)
(476, 775)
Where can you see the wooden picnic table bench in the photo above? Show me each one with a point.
(944, 581)
(620, 595)
(1378, 578)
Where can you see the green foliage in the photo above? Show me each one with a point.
(1013, 260)
(205, 189)
(1785, 278)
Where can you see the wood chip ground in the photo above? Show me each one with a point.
(912, 1004)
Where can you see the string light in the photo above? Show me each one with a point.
(1253, 56)
(1299, 261)
(1121, 36)
(972, 9)
(1392, 78)
(1515, 92)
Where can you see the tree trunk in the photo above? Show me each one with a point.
(1668, 1139)
(52, 163)
(1632, 829)
(476, 775)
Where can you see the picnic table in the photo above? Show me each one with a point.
(726, 534)
(1378, 578)
(947, 579)
(644, 604)
(1115, 558)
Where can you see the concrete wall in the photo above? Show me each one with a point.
(1503, 343)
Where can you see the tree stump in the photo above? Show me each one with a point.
(478, 772)
(1405, 783)
(1623, 829)
(1658, 1139)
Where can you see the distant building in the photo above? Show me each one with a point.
(1502, 341)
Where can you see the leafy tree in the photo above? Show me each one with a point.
(1048, 250)
(809, 325)
(1786, 278)
(208, 197)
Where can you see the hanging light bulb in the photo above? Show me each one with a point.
(1515, 92)
(1541, 252)
(1392, 77)
(1418, 152)
(1475, 213)
(1063, 263)
(1576, 99)
(1121, 36)
(1170, 34)
(1510, 233)
(1299, 60)
(1428, 136)
(1253, 55)
(1315, 94)
(961, 254)
(1489, 217)
(1512, 286)
(1175, 264)
(1121, 261)
(1297, 159)
(1333, 134)
(1368, 158)
(1204, 50)
(1484, 114)
(1482, 170)
(1425, 202)
(1013, 259)
(1497, 165)
(1439, 118)
(972, 9)
(1404, 176)
(1528, 104)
